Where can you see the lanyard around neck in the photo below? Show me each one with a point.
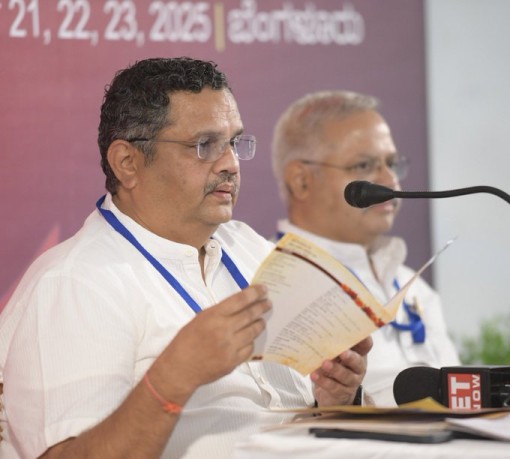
(120, 228)
(415, 325)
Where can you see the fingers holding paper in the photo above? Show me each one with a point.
(337, 380)
(218, 339)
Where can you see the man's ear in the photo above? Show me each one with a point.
(124, 160)
(298, 179)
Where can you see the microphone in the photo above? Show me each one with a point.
(364, 194)
(459, 387)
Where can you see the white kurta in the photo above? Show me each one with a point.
(91, 315)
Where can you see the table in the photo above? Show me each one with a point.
(298, 444)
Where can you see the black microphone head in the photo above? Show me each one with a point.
(362, 194)
(416, 383)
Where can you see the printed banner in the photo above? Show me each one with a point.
(58, 55)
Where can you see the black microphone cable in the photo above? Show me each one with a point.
(364, 194)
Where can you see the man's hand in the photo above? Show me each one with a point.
(210, 346)
(337, 380)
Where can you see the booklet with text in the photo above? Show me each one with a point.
(320, 308)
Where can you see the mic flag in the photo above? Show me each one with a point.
(362, 194)
(458, 387)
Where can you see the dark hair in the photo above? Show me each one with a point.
(136, 103)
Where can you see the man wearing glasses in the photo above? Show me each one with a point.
(322, 142)
(131, 338)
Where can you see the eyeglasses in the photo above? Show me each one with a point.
(399, 165)
(209, 149)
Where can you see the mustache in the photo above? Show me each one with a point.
(224, 177)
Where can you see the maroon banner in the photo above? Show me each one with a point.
(58, 55)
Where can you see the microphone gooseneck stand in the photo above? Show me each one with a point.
(453, 193)
(364, 194)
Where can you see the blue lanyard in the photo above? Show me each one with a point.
(120, 228)
(415, 325)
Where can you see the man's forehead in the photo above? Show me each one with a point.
(205, 106)
(363, 131)
(207, 96)
(356, 123)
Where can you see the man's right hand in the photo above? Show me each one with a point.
(210, 346)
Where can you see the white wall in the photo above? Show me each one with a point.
(469, 142)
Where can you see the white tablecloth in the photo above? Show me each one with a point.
(298, 444)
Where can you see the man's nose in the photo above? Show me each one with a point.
(228, 161)
(386, 175)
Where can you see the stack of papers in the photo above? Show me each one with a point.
(421, 421)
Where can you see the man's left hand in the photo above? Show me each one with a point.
(337, 380)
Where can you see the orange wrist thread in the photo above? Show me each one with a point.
(167, 406)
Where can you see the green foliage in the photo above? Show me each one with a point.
(491, 347)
